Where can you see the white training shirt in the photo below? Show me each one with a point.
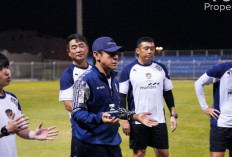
(8, 105)
(220, 76)
(144, 86)
(70, 75)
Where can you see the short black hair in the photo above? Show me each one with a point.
(4, 62)
(144, 39)
(77, 37)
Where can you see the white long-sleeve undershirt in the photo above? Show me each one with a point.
(199, 88)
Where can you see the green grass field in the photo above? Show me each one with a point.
(39, 101)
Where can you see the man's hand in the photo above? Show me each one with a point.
(211, 112)
(126, 127)
(15, 125)
(107, 120)
(43, 134)
(142, 118)
(173, 122)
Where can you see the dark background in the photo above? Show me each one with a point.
(174, 24)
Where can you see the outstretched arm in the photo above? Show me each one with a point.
(140, 117)
(144, 119)
(39, 134)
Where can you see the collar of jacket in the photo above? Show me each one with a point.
(113, 74)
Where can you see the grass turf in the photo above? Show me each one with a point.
(39, 101)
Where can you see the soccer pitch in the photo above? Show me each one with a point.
(39, 101)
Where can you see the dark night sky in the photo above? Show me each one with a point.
(180, 24)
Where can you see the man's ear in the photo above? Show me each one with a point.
(96, 55)
(137, 50)
(68, 52)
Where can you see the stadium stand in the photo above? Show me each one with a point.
(180, 67)
(184, 65)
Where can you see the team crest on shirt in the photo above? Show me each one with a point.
(148, 75)
(9, 113)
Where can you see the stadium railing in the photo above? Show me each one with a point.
(179, 67)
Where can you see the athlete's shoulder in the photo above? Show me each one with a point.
(218, 70)
(130, 65)
(10, 94)
(226, 65)
(68, 71)
(10, 97)
(159, 65)
(126, 71)
(87, 75)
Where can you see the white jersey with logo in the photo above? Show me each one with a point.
(144, 86)
(70, 75)
(220, 76)
(8, 105)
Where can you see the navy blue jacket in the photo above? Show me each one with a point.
(92, 97)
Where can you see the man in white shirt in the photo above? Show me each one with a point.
(77, 49)
(12, 120)
(220, 113)
(146, 83)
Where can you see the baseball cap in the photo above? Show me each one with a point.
(105, 44)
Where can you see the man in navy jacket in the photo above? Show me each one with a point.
(95, 104)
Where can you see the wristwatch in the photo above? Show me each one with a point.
(4, 131)
(174, 115)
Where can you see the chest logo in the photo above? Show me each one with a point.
(148, 75)
(112, 107)
(150, 86)
(9, 113)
